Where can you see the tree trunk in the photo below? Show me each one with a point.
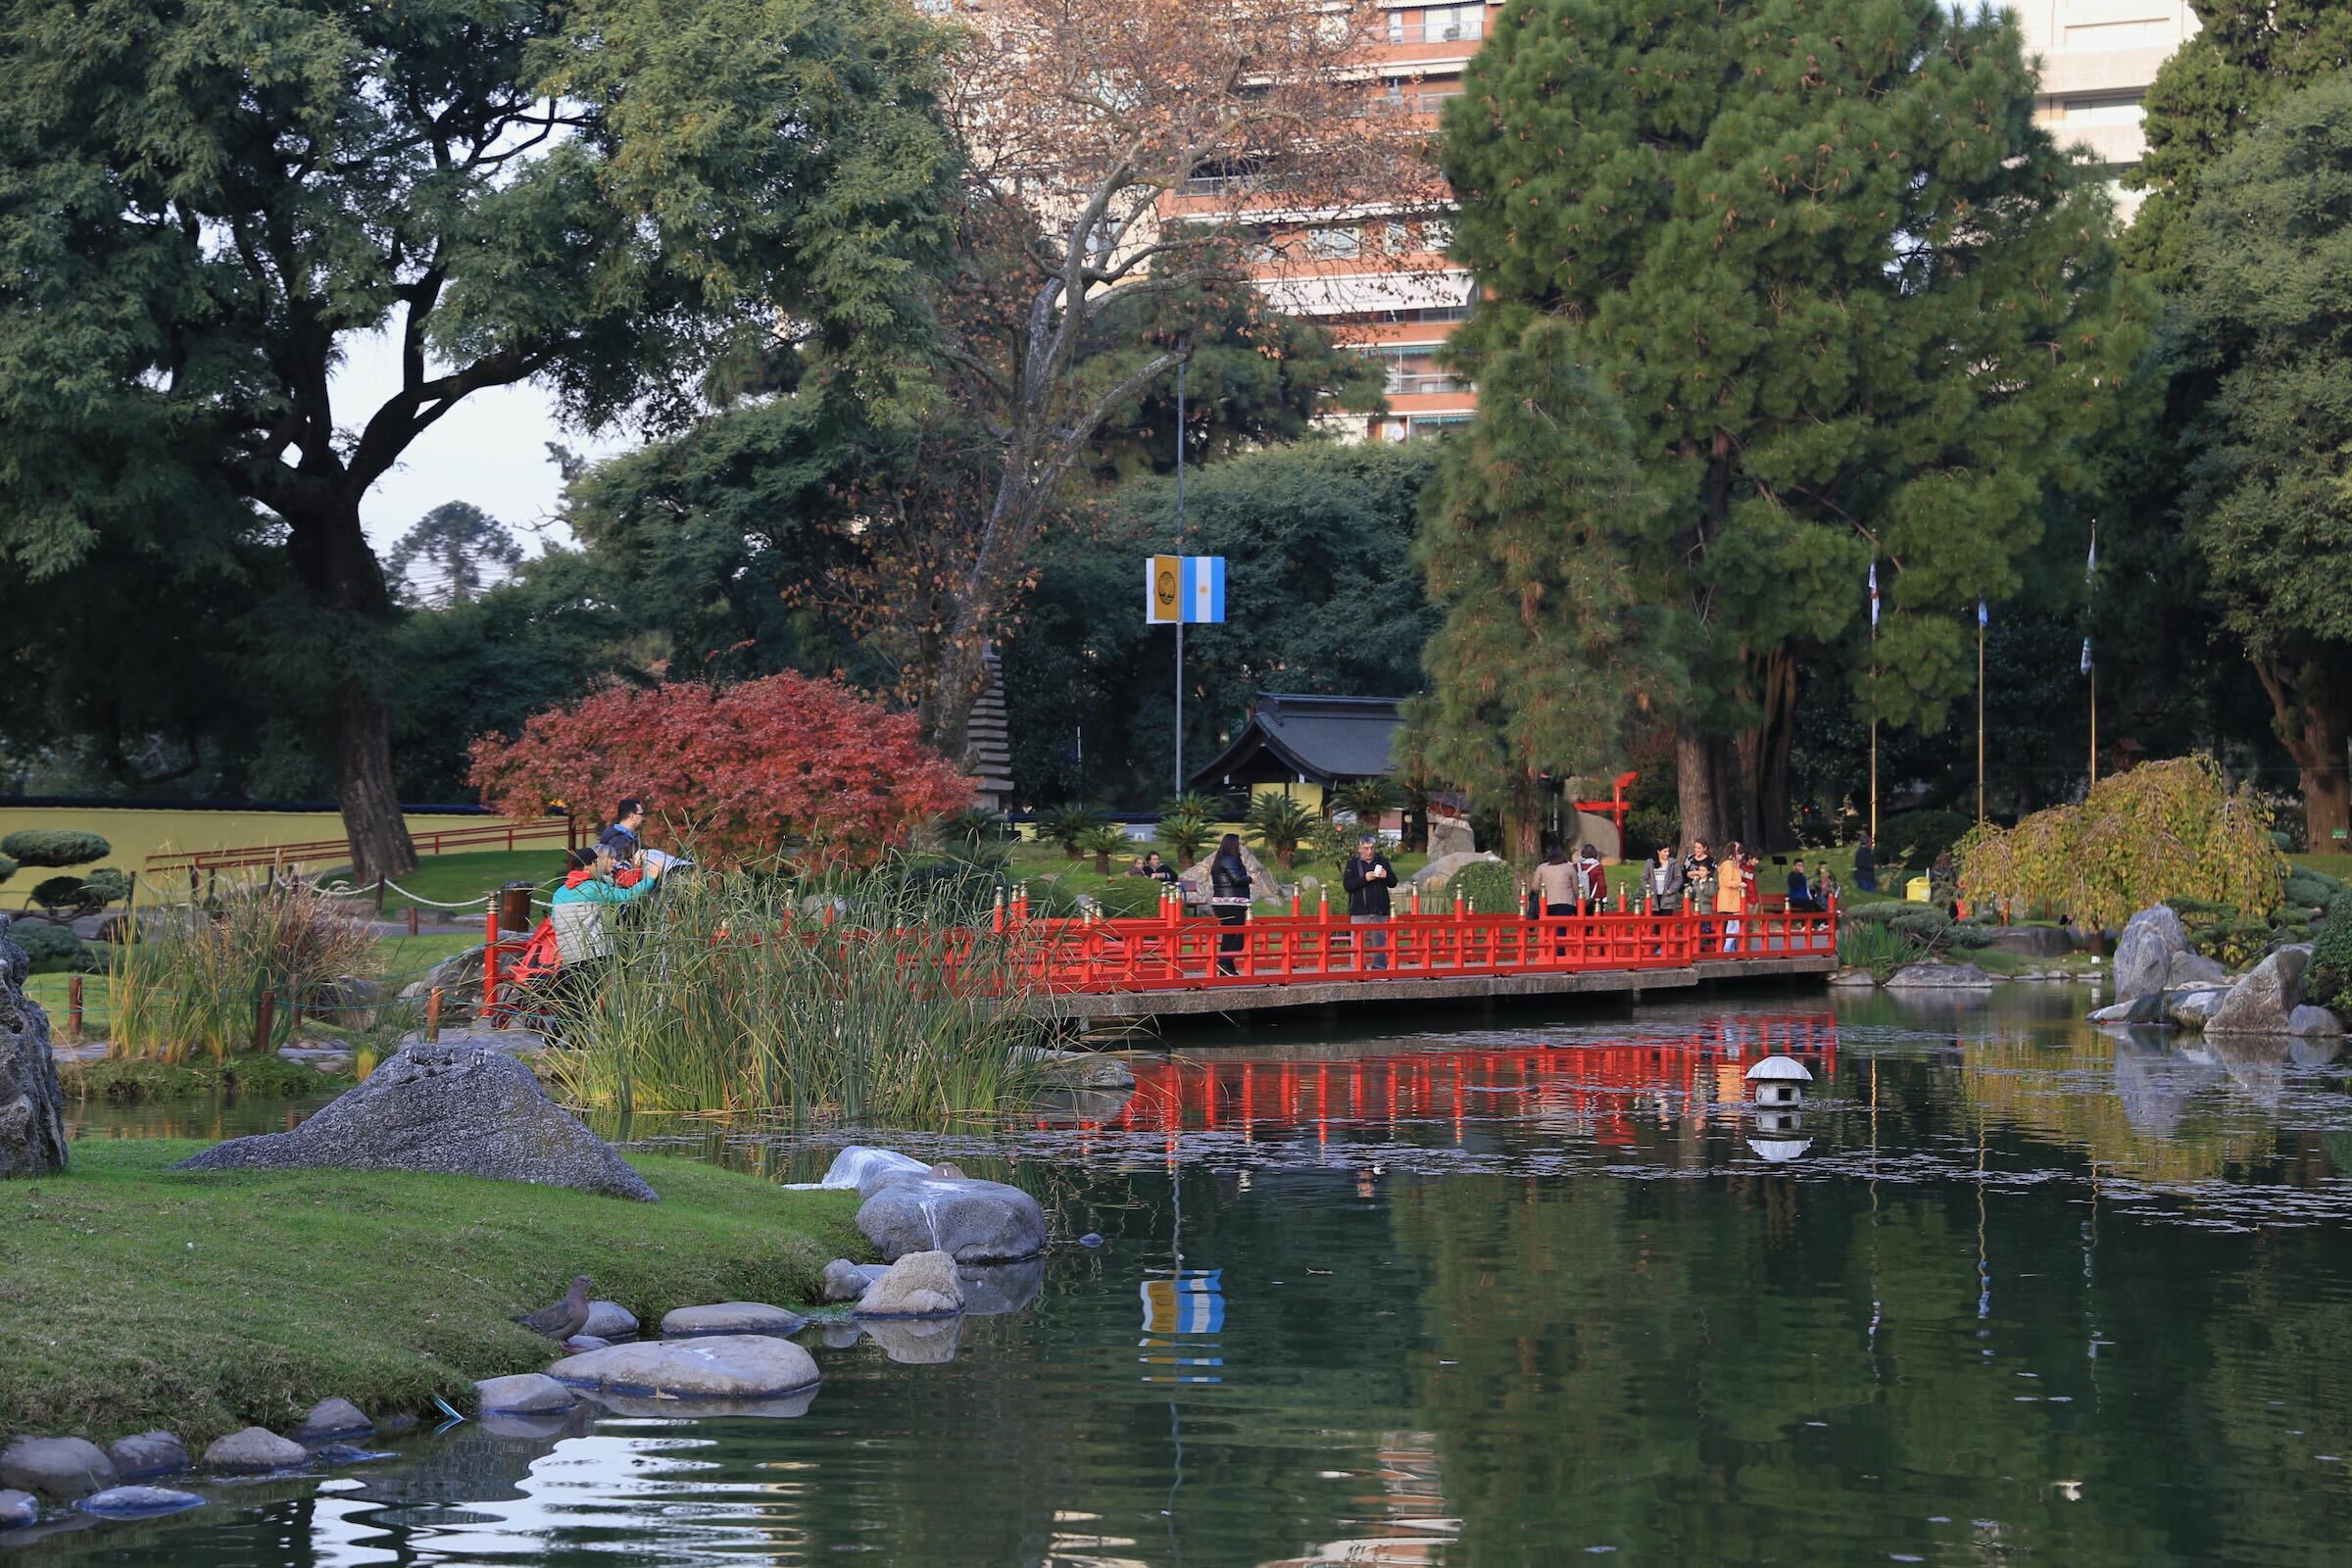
(1765, 755)
(340, 575)
(2311, 712)
(1696, 798)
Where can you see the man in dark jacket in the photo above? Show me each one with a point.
(621, 837)
(1368, 878)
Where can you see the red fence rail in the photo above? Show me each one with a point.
(440, 841)
(1175, 952)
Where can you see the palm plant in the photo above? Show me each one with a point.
(1186, 824)
(1367, 800)
(1068, 826)
(1103, 841)
(1279, 825)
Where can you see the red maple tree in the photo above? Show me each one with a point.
(788, 764)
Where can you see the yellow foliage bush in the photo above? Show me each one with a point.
(2163, 830)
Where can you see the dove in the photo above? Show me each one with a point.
(564, 1319)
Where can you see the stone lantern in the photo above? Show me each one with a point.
(1780, 1081)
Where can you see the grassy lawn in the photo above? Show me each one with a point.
(459, 878)
(133, 1297)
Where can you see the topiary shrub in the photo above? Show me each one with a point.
(55, 948)
(1487, 886)
(8, 869)
(54, 847)
(2307, 889)
(2329, 980)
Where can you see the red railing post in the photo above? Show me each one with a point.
(490, 962)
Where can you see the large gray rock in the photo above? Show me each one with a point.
(1444, 868)
(917, 1285)
(729, 1317)
(450, 1108)
(19, 1509)
(2191, 1007)
(737, 1367)
(2195, 969)
(254, 1450)
(525, 1393)
(2264, 1003)
(2308, 1022)
(56, 1467)
(147, 1453)
(329, 1419)
(2151, 1008)
(869, 1170)
(610, 1320)
(1938, 977)
(2034, 940)
(32, 1107)
(973, 1222)
(845, 1281)
(2143, 955)
(459, 979)
(139, 1502)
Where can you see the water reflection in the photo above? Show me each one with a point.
(2033, 1292)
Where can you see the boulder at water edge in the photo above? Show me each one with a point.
(452, 1108)
(2264, 1003)
(2191, 1007)
(139, 1502)
(334, 1418)
(610, 1321)
(254, 1450)
(2151, 1008)
(56, 1467)
(1938, 977)
(729, 1317)
(971, 1221)
(735, 1366)
(525, 1393)
(2195, 969)
(917, 1285)
(845, 1281)
(32, 1107)
(147, 1453)
(2143, 956)
(2308, 1022)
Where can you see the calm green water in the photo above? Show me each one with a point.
(1521, 1293)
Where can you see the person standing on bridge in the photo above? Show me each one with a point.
(1368, 878)
(1662, 882)
(1557, 892)
(1593, 881)
(1229, 897)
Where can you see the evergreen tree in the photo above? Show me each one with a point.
(1545, 648)
(2269, 503)
(2248, 54)
(1855, 305)
(451, 555)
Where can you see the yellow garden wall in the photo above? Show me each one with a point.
(139, 832)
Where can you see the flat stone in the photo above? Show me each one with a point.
(845, 1281)
(254, 1450)
(729, 1317)
(19, 1509)
(334, 1418)
(917, 1285)
(148, 1453)
(2314, 1023)
(1856, 978)
(610, 1320)
(729, 1366)
(139, 1502)
(2148, 1009)
(2264, 1003)
(1938, 977)
(585, 1342)
(56, 1467)
(525, 1393)
(450, 1108)
(973, 1222)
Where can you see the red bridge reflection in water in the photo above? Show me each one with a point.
(1603, 1083)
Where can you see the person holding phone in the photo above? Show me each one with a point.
(1368, 877)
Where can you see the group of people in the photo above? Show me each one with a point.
(573, 942)
(1153, 866)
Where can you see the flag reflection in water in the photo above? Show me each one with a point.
(1184, 1310)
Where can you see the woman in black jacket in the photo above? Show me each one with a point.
(1229, 896)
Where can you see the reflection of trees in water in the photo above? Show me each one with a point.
(2136, 1104)
(1667, 1368)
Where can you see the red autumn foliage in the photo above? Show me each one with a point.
(787, 764)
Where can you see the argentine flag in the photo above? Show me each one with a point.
(1188, 589)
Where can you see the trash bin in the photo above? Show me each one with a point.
(1916, 891)
(515, 908)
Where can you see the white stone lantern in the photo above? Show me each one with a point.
(1780, 1081)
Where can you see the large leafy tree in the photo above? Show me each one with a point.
(205, 202)
(1546, 649)
(1852, 301)
(2270, 500)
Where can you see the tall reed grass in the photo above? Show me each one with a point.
(881, 996)
(190, 985)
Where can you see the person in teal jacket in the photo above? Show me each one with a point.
(577, 909)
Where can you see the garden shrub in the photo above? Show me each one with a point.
(54, 847)
(1874, 944)
(2329, 980)
(2307, 889)
(1916, 838)
(1130, 898)
(55, 948)
(1487, 886)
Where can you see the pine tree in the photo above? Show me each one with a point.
(1545, 648)
(1856, 306)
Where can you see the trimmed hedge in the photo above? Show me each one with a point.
(2328, 981)
(54, 847)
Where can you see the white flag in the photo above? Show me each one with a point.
(2086, 656)
(2090, 568)
(1874, 595)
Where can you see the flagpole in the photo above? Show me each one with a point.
(1873, 707)
(1980, 713)
(1181, 606)
(2091, 666)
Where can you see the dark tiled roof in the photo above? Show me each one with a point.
(1328, 739)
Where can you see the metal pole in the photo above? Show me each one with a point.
(1979, 719)
(1181, 366)
(1874, 739)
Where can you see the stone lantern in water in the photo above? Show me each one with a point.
(1779, 1097)
(1780, 1081)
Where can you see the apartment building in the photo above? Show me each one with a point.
(2098, 58)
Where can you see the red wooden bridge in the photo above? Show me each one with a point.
(1175, 963)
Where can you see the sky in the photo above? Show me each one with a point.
(491, 450)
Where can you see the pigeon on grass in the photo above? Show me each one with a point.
(566, 1317)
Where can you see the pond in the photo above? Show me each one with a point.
(1522, 1291)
